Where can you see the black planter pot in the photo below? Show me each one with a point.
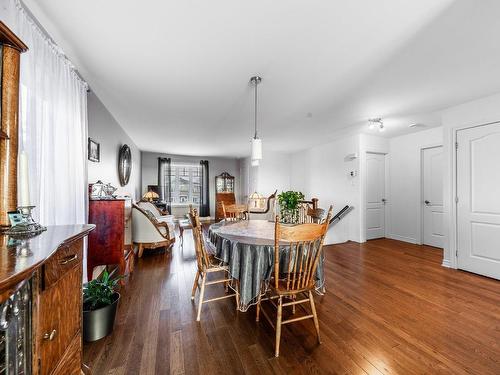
(99, 323)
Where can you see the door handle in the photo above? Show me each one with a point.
(50, 336)
(69, 259)
(384, 200)
(427, 202)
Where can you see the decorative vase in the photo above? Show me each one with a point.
(99, 323)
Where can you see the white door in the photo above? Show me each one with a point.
(478, 207)
(433, 196)
(375, 196)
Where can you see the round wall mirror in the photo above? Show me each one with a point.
(124, 164)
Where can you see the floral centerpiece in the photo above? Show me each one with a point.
(289, 202)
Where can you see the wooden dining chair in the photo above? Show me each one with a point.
(309, 212)
(234, 212)
(294, 276)
(206, 264)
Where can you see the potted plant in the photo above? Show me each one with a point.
(100, 300)
(289, 206)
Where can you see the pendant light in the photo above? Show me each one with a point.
(256, 141)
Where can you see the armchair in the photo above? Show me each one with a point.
(157, 213)
(151, 230)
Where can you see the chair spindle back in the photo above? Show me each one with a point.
(234, 212)
(202, 258)
(297, 271)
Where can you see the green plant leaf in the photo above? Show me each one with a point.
(99, 292)
(289, 200)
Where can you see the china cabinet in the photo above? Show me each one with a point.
(224, 192)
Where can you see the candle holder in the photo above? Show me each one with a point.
(29, 227)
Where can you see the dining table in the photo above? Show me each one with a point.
(247, 247)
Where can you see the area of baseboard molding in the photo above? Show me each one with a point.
(403, 238)
(446, 263)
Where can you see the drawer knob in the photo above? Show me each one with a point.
(50, 336)
(69, 259)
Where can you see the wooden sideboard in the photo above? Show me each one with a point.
(108, 242)
(41, 291)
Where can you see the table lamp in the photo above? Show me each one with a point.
(150, 196)
(256, 201)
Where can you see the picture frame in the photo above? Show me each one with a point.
(15, 218)
(94, 151)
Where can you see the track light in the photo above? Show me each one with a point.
(376, 123)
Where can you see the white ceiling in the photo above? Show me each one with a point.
(175, 73)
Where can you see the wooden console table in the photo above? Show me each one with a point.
(41, 296)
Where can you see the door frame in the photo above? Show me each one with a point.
(420, 240)
(451, 194)
(363, 170)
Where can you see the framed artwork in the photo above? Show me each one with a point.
(15, 218)
(94, 151)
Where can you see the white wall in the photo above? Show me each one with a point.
(272, 174)
(323, 172)
(215, 167)
(104, 129)
(404, 189)
(477, 112)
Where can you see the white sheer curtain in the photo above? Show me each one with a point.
(53, 123)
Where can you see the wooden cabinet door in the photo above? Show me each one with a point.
(107, 241)
(71, 363)
(60, 309)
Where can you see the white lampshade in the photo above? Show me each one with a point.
(255, 163)
(256, 149)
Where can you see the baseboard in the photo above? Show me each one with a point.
(446, 263)
(403, 238)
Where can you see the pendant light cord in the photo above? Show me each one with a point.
(255, 114)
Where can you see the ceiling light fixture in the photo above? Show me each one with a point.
(376, 123)
(256, 141)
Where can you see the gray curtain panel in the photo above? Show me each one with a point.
(205, 190)
(164, 185)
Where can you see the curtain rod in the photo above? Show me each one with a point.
(23, 7)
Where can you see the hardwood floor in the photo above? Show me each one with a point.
(390, 308)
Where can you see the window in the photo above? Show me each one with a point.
(185, 183)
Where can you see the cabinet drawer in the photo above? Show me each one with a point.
(66, 258)
(71, 360)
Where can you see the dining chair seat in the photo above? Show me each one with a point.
(282, 290)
